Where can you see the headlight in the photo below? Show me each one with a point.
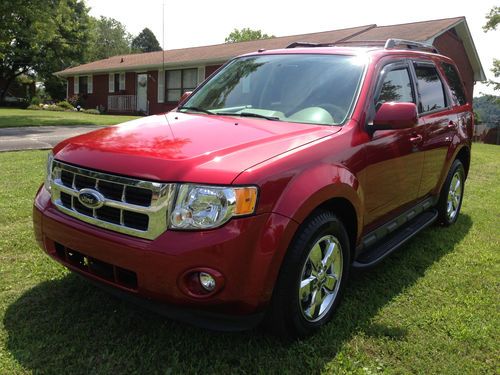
(205, 207)
(48, 172)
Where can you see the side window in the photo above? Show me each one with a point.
(457, 90)
(396, 87)
(430, 88)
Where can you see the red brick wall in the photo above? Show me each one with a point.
(210, 69)
(450, 45)
(99, 96)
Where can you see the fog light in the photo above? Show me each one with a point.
(207, 281)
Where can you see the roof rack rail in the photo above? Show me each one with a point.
(307, 44)
(410, 44)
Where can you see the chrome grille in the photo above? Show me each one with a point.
(134, 207)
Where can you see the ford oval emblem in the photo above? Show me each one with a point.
(91, 198)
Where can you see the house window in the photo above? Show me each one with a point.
(180, 81)
(83, 85)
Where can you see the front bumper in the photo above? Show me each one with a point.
(246, 251)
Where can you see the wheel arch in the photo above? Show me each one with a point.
(464, 156)
(337, 191)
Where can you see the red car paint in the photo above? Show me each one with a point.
(296, 167)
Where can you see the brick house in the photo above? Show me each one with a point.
(154, 82)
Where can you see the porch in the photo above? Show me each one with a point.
(122, 103)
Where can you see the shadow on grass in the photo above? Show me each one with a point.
(68, 326)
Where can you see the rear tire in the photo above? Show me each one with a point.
(450, 200)
(312, 278)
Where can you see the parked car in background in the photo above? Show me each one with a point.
(254, 198)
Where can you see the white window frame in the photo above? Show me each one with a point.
(182, 88)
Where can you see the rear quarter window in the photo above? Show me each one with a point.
(456, 87)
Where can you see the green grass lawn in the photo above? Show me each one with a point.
(10, 117)
(431, 308)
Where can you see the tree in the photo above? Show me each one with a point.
(108, 37)
(246, 34)
(40, 36)
(493, 19)
(145, 42)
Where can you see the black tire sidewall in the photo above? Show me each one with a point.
(285, 299)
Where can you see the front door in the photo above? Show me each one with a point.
(142, 92)
(392, 177)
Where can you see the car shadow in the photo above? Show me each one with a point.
(70, 326)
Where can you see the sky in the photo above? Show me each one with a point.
(200, 22)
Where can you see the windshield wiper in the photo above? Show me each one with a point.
(197, 109)
(248, 114)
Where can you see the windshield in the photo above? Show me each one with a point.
(305, 88)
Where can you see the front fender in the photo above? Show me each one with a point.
(315, 186)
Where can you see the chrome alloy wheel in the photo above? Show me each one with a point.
(320, 278)
(454, 196)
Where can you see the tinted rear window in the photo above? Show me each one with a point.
(456, 87)
(430, 88)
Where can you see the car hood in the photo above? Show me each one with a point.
(186, 147)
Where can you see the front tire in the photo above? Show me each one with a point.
(450, 200)
(312, 278)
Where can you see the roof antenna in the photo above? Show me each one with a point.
(163, 41)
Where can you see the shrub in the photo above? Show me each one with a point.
(55, 108)
(35, 100)
(77, 100)
(34, 107)
(65, 105)
(92, 111)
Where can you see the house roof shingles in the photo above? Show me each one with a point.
(418, 31)
(217, 52)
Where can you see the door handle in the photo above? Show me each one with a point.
(416, 139)
(451, 125)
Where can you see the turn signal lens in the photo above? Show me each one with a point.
(246, 199)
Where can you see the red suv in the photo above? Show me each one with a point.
(255, 197)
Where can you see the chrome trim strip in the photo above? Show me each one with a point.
(158, 211)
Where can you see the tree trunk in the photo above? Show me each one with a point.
(6, 82)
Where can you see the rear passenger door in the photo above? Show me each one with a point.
(438, 121)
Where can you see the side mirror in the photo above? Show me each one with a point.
(393, 115)
(185, 96)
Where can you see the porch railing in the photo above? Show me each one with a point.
(122, 103)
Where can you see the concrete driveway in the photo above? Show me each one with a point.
(39, 137)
